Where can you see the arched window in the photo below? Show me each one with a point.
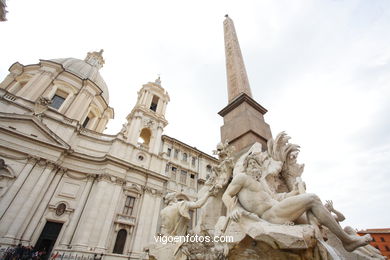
(153, 105)
(184, 157)
(120, 242)
(144, 137)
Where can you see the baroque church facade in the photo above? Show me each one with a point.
(67, 187)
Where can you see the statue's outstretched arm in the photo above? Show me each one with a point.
(200, 202)
(340, 216)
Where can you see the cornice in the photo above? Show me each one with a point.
(190, 148)
(60, 143)
(239, 100)
(153, 191)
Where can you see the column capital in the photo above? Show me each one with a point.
(32, 159)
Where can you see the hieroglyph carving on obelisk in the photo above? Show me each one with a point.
(237, 78)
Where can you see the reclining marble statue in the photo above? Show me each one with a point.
(249, 194)
(267, 211)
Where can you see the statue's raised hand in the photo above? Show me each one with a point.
(329, 205)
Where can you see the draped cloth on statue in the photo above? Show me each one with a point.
(175, 218)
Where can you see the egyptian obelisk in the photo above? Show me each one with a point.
(243, 117)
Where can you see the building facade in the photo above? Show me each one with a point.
(67, 187)
(380, 239)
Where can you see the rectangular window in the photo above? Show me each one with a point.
(57, 101)
(173, 173)
(169, 151)
(192, 180)
(183, 177)
(86, 121)
(382, 239)
(387, 248)
(129, 206)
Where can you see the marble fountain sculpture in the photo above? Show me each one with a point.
(258, 198)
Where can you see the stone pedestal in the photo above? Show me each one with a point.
(244, 123)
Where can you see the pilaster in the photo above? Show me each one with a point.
(11, 214)
(109, 220)
(85, 227)
(14, 189)
(39, 212)
(20, 222)
(71, 227)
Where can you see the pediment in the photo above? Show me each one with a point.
(32, 128)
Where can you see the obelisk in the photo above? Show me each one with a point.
(243, 117)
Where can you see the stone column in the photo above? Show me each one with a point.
(160, 105)
(143, 99)
(164, 108)
(148, 100)
(86, 225)
(14, 189)
(102, 124)
(20, 219)
(110, 216)
(34, 88)
(142, 227)
(50, 91)
(92, 123)
(157, 140)
(13, 88)
(66, 103)
(37, 215)
(101, 214)
(27, 87)
(7, 81)
(134, 130)
(80, 104)
(156, 214)
(9, 217)
(71, 227)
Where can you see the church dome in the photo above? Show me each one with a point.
(87, 69)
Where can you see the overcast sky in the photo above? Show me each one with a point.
(321, 68)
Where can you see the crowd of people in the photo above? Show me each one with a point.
(24, 253)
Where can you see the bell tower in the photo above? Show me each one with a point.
(243, 117)
(146, 121)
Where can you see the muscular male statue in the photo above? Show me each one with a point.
(254, 196)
